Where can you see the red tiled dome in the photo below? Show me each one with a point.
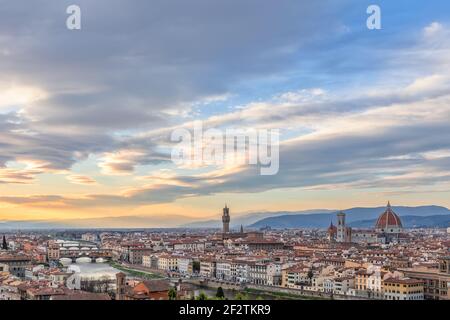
(388, 219)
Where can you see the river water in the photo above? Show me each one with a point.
(99, 270)
(94, 270)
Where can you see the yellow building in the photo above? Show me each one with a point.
(295, 276)
(361, 280)
(369, 282)
(168, 263)
(436, 280)
(403, 289)
(53, 252)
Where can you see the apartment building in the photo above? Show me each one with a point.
(274, 274)
(150, 261)
(403, 289)
(369, 283)
(53, 252)
(239, 271)
(342, 285)
(223, 270)
(185, 265)
(295, 276)
(187, 245)
(258, 273)
(136, 254)
(207, 268)
(436, 281)
(16, 264)
(168, 262)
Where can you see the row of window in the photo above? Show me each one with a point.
(404, 298)
(398, 292)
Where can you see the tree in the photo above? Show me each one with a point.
(241, 296)
(202, 296)
(4, 244)
(101, 285)
(310, 275)
(172, 294)
(220, 294)
(196, 266)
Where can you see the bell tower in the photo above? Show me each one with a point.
(120, 286)
(226, 219)
(341, 227)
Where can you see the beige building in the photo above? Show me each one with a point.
(168, 262)
(4, 268)
(369, 282)
(16, 264)
(185, 265)
(343, 285)
(53, 252)
(207, 268)
(295, 276)
(150, 261)
(436, 282)
(136, 254)
(188, 245)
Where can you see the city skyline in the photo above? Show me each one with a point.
(382, 261)
(86, 115)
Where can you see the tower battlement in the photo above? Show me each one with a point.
(226, 219)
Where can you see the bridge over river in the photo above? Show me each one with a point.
(86, 256)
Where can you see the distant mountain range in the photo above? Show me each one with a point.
(20, 225)
(429, 216)
(442, 221)
(424, 216)
(248, 219)
(107, 222)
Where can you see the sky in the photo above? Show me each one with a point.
(86, 115)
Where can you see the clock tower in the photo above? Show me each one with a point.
(226, 219)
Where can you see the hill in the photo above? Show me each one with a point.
(249, 219)
(442, 221)
(363, 217)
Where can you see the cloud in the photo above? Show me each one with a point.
(129, 66)
(81, 179)
(20, 176)
(124, 161)
(354, 112)
(433, 29)
(378, 146)
(55, 149)
(14, 95)
(134, 68)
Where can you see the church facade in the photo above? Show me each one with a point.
(388, 228)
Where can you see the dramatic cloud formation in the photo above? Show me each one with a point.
(86, 116)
